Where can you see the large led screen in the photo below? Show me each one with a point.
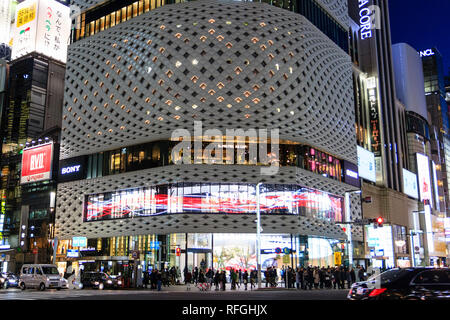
(213, 198)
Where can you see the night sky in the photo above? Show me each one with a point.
(423, 24)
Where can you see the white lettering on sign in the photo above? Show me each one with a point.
(427, 53)
(352, 173)
(70, 169)
(369, 19)
(37, 161)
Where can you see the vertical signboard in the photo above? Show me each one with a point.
(423, 171)
(438, 227)
(42, 26)
(25, 28)
(429, 229)
(53, 30)
(375, 138)
(37, 163)
(351, 174)
(435, 184)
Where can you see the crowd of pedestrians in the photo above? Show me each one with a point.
(306, 278)
(166, 277)
(310, 277)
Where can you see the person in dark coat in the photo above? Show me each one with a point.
(158, 280)
(352, 276)
(201, 277)
(223, 280)
(321, 277)
(361, 272)
(310, 278)
(337, 278)
(245, 279)
(146, 279)
(343, 277)
(217, 279)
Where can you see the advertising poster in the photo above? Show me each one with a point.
(423, 171)
(380, 240)
(25, 28)
(410, 184)
(435, 184)
(37, 163)
(440, 245)
(42, 26)
(366, 164)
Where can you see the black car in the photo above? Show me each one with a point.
(99, 280)
(8, 280)
(420, 283)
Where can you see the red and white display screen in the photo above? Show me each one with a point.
(37, 163)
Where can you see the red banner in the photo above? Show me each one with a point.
(37, 163)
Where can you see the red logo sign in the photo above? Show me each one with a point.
(37, 163)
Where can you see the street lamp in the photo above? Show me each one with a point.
(258, 235)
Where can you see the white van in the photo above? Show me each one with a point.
(41, 276)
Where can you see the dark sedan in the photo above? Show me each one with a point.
(99, 280)
(404, 284)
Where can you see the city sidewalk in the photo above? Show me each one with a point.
(194, 288)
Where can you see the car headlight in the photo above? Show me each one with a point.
(96, 283)
(109, 281)
(48, 279)
(119, 282)
(2, 280)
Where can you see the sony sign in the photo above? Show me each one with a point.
(71, 169)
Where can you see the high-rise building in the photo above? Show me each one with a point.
(30, 129)
(437, 107)
(152, 158)
(426, 151)
(381, 136)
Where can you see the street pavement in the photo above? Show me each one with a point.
(179, 292)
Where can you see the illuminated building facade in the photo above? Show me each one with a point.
(220, 65)
(381, 126)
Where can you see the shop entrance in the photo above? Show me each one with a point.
(200, 258)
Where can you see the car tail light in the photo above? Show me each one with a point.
(377, 292)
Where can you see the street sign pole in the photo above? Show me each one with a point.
(258, 235)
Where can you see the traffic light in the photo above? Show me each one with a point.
(380, 221)
(178, 252)
(377, 223)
